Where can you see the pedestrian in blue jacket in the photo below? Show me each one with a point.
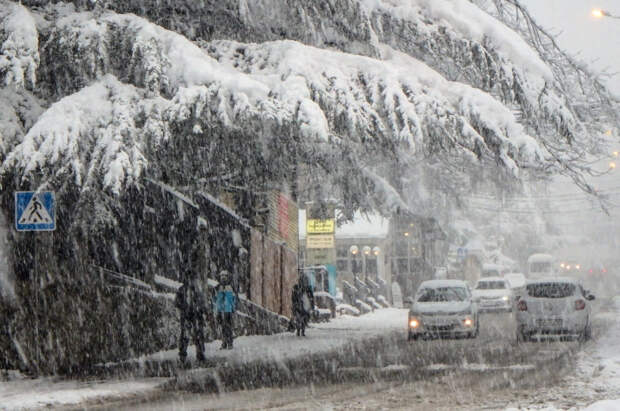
(225, 306)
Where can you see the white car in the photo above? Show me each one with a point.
(517, 283)
(554, 306)
(443, 308)
(493, 294)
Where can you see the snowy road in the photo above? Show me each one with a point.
(358, 363)
(440, 374)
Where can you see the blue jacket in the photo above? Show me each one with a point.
(225, 300)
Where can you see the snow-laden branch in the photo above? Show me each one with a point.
(19, 46)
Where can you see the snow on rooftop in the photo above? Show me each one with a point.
(443, 283)
(540, 258)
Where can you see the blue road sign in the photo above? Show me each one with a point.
(35, 211)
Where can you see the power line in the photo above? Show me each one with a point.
(536, 211)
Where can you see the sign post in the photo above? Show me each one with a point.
(321, 244)
(35, 211)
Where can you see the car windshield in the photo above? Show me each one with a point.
(491, 285)
(442, 294)
(550, 290)
(539, 267)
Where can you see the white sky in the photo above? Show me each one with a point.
(594, 40)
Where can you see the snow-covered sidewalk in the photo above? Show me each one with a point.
(321, 338)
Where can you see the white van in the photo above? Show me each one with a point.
(540, 265)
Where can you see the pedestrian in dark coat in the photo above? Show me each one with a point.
(303, 305)
(225, 307)
(191, 303)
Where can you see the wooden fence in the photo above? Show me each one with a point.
(273, 273)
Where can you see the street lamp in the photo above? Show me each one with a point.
(354, 250)
(365, 255)
(598, 13)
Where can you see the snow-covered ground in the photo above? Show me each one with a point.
(20, 393)
(28, 394)
(593, 385)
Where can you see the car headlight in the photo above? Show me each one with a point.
(414, 322)
(505, 298)
(468, 322)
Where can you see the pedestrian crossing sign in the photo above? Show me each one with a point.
(35, 211)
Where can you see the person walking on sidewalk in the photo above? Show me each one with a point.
(191, 304)
(225, 307)
(303, 304)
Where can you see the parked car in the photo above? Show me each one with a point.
(443, 308)
(554, 306)
(517, 283)
(493, 294)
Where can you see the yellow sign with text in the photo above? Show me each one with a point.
(314, 226)
(320, 241)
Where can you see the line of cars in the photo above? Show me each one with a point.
(547, 306)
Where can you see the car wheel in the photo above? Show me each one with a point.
(586, 334)
(412, 336)
(474, 333)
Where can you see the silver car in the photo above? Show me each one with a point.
(493, 294)
(554, 306)
(443, 308)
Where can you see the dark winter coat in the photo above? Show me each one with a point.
(190, 301)
(302, 298)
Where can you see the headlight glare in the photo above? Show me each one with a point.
(414, 323)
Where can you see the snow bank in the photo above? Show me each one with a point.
(47, 392)
(605, 405)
